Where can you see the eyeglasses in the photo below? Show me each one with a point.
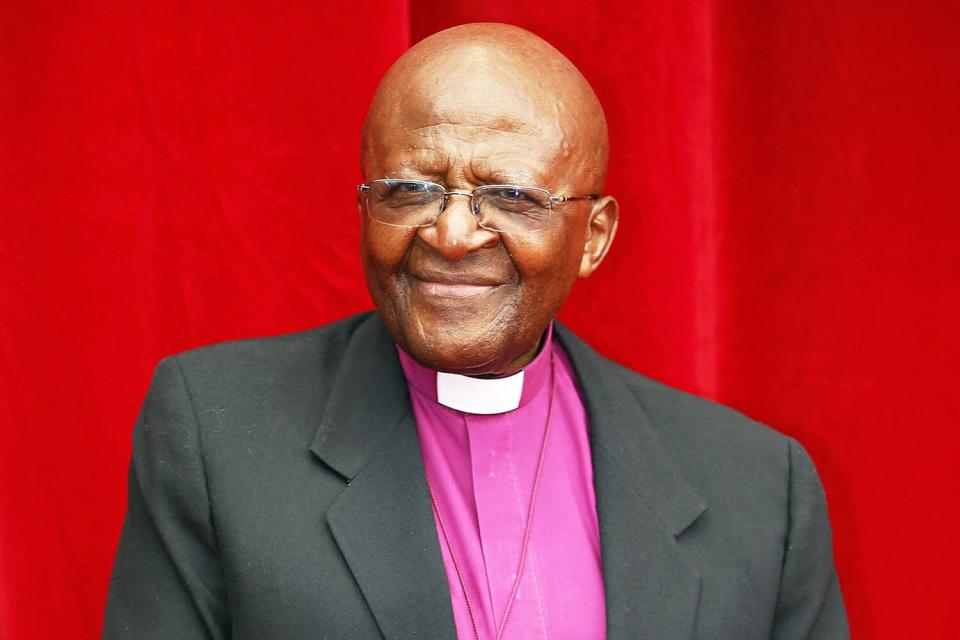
(503, 208)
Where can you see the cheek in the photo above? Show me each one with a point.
(549, 259)
(384, 248)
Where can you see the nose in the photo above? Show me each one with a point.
(456, 232)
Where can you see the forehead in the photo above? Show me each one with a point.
(476, 154)
(483, 124)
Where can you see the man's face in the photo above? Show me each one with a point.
(454, 295)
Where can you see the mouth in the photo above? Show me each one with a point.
(453, 286)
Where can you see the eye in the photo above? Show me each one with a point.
(405, 186)
(407, 193)
(517, 200)
(508, 194)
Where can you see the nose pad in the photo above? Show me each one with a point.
(460, 194)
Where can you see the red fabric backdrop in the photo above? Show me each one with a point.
(175, 173)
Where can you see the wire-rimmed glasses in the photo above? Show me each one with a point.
(503, 208)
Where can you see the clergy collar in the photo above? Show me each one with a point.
(481, 395)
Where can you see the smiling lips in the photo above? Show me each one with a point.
(453, 286)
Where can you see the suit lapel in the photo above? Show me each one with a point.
(382, 521)
(643, 505)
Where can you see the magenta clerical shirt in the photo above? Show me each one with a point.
(481, 469)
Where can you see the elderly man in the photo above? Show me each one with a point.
(457, 464)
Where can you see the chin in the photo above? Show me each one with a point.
(456, 347)
(464, 356)
(481, 335)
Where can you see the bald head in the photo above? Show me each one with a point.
(483, 82)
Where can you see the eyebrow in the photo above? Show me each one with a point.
(432, 165)
(499, 177)
(481, 169)
(424, 168)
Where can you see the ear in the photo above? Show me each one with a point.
(601, 228)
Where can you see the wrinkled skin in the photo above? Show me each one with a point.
(482, 104)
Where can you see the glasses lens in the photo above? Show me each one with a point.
(404, 203)
(509, 207)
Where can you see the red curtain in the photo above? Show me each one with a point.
(176, 173)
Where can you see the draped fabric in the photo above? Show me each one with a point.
(177, 173)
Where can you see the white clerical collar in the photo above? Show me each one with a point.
(485, 396)
(482, 396)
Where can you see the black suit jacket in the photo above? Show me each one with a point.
(277, 491)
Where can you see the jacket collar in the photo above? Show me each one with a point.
(643, 505)
(383, 520)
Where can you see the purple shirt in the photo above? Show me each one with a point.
(481, 469)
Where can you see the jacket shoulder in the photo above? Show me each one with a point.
(280, 366)
(682, 419)
(713, 444)
(321, 346)
(685, 416)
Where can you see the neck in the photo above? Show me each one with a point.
(487, 393)
(520, 361)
